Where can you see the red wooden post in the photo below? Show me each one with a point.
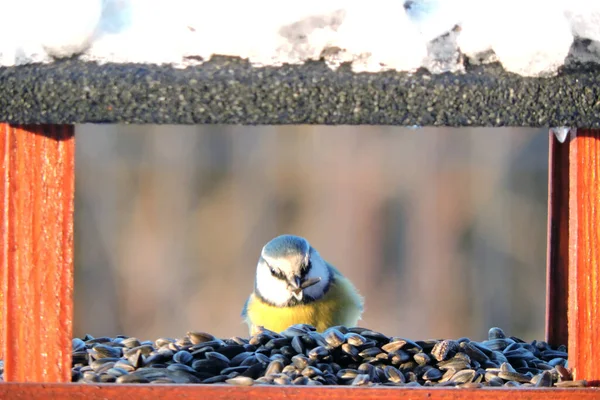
(584, 255)
(36, 281)
(557, 277)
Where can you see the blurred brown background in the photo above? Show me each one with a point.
(442, 230)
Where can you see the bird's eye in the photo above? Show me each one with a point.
(275, 273)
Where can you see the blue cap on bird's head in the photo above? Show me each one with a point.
(286, 246)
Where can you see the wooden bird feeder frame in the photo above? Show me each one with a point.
(36, 278)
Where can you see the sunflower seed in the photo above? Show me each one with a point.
(311, 372)
(464, 376)
(432, 374)
(264, 380)
(393, 374)
(497, 344)
(274, 367)
(557, 361)
(512, 384)
(296, 330)
(360, 380)
(277, 343)
(499, 357)
(183, 357)
(91, 376)
(181, 367)
(514, 376)
(563, 373)
(370, 352)
(399, 357)
(567, 384)
(355, 339)
(350, 350)
(143, 349)
(199, 337)
(104, 351)
(298, 344)
(474, 352)
(456, 363)
(77, 345)
(301, 380)
(470, 385)
(378, 337)
(542, 380)
(254, 371)
(422, 358)
(333, 337)
(212, 344)
(495, 381)
(327, 368)
(124, 365)
(300, 361)
(393, 346)
(444, 349)
(347, 373)
(213, 355)
(282, 380)
(130, 342)
(240, 381)
(496, 333)
(551, 354)
(157, 358)
(131, 378)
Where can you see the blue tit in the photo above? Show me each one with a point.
(294, 285)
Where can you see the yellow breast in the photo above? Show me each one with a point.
(341, 305)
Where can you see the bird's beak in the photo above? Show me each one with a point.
(310, 282)
(296, 286)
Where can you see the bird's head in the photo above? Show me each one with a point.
(290, 271)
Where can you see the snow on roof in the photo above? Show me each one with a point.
(528, 37)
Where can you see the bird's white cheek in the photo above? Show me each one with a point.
(272, 290)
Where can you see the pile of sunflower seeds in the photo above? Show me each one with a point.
(339, 356)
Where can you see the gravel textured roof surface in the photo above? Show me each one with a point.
(230, 91)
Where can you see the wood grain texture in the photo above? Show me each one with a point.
(557, 268)
(584, 255)
(32, 391)
(36, 284)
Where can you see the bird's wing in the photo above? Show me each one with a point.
(245, 308)
(358, 300)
